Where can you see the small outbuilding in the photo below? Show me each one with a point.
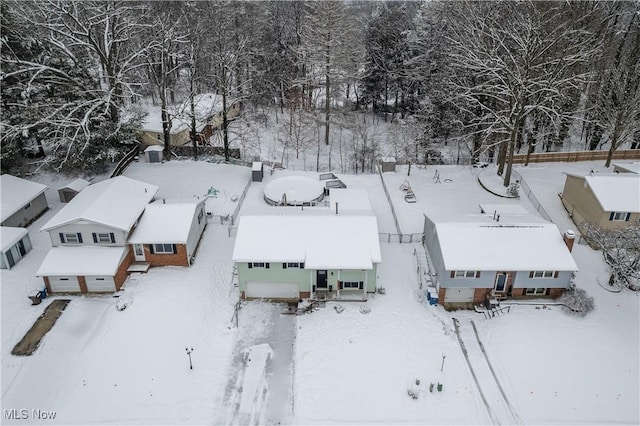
(23, 201)
(72, 189)
(257, 171)
(388, 164)
(153, 154)
(15, 245)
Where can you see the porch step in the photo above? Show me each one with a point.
(139, 267)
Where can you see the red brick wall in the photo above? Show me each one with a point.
(121, 273)
(178, 259)
(305, 294)
(83, 284)
(480, 295)
(521, 293)
(441, 294)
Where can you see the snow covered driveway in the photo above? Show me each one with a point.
(260, 377)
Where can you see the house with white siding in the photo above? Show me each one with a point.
(89, 237)
(496, 255)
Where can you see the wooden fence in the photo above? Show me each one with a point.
(570, 156)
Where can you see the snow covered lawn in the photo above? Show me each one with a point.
(101, 365)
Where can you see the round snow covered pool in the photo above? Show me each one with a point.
(293, 191)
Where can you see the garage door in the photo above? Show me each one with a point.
(459, 295)
(100, 284)
(271, 290)
(64, 284)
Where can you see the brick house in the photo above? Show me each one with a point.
(89, 237)
(168, 233)
(475, 257)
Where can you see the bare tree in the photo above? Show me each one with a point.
(512, 60)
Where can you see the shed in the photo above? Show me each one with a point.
(388, 164)
(15, 244)
(153, 154)
(72, 189)
(22, 201)
(257, 171)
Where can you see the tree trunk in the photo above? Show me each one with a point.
(502, 155)
(193, 118)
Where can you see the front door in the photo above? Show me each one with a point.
(321, 278)
(501, 282)
(138, 251)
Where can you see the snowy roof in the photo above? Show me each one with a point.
(165, 223)
(117, 202)
(482, 244)
(616, 192)
(77, 185)
(81, 260)
(503, 209)
(350, 200)
(388, 159)
(15, 193)
(206, 105)
(154, 148)
(629, 167)
(322, 242)
(256, 166)
(10, 235)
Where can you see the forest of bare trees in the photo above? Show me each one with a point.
(496, 78)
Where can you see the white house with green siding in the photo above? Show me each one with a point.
(294, 257)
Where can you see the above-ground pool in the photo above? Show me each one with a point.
(293, 191)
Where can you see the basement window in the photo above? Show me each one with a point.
(619, 216)
(163, 249)
(536, 291)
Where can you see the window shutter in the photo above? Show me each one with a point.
(62, 238)
(266, 265)
(628, 217)
(611, 215)
(524, 291)
(453, 274)
(174, 248)
(361, 285)
(80, 238)
(284, 265)
(151, 250)
(547, 292)
(95, 237)
(339, 285)
(531, 274)
(113, 237)
(555, 274)
(250, 265)
(301, 265)
(477, 274)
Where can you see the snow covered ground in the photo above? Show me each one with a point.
(99, 365)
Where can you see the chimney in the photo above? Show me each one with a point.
(569, 238)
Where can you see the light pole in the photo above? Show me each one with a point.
(442, 366)
(189, 350)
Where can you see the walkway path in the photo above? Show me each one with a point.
(259, 388)
(30, 342)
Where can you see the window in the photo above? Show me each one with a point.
(259, 265)
(536, 291)
(159, 137)
(286, 265)
(68, 238)
(351, 284)
(163, 249)
(465, 274)
(543, 274)
(200, 216)
(104, 238)
(26, 207)
(619, 216)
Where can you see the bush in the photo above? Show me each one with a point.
(577, 302)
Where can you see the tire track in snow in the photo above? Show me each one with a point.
(513, 411)
(498, 406)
